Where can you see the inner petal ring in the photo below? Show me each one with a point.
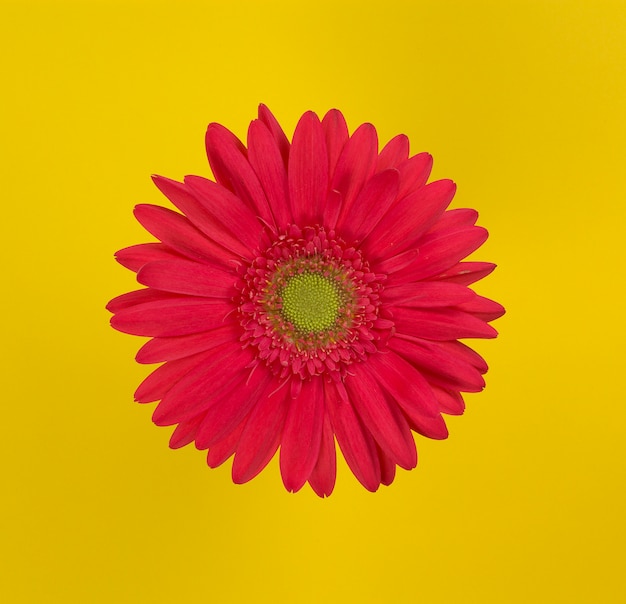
(310, 305)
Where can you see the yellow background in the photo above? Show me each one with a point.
(522, 103)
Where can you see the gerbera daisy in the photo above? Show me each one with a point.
(314, 292)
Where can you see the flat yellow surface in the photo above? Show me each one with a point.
(521, 103)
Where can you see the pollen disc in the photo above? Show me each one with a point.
(311, 302)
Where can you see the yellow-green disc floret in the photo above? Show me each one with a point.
(311, 302)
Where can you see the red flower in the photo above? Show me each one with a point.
(315, 291)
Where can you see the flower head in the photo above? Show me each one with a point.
(314, 292)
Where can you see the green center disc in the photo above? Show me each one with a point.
(310, 302)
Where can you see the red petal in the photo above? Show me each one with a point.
(322, 479)
(414, 173)
(261, 436)
(428, 294)
(137, 297)
(454, 220)
(404, 384)
(302, 434)
(393, 153)
(409, 219)
(226, 447)
(235, 173)
(158, 350)
(191, 278)
(483, 308)
(172, 317)
(396, 263)
(232, 408)
(356, 443)
(443, 251)
(450, 402)
(440, 324)
(438, 364)
(466, 353)
(430, 427)
(135, 256)
(355, 165)
(382, 419)
(308, 170)
(265, 158)
(370, 206)
(228, 210)
(332, 208)
(336, 131)
(179, 234)
(201, 215)
(185, 432)
(387, 467)
(162, 379)
(466, 273)
(266, 116)
(218, 167)
(202, 387)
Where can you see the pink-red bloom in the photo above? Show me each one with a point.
(314, 292)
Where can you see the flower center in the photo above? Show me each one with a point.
(311, 302)
(310, 305)
(308, 300)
